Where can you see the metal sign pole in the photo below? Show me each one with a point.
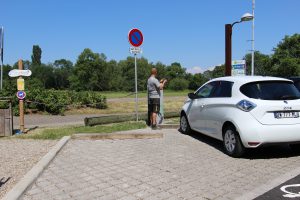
(252, 53)
(1, 53)
(136, 90)
(1, 87)
(135, 38)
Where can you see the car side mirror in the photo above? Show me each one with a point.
(192, 95)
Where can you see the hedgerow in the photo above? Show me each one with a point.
(56, 101)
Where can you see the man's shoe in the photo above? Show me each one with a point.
(155, 127)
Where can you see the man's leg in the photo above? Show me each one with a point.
(154, 114)
(151, 111)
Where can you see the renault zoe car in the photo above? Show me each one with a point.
(244, 112)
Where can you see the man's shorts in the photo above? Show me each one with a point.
(154, 105)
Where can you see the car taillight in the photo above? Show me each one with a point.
(246, 105)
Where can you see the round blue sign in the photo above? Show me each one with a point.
(21, 95)
(135, 37)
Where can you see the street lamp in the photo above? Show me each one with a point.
(228, 42)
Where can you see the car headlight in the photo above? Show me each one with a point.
(246, 105)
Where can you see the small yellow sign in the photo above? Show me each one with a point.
(21, 84)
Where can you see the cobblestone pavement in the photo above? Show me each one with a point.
(175, 167)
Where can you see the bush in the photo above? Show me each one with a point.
(56, 101)
(178, 84)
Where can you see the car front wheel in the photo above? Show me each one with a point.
(184, 124)
(232, 142)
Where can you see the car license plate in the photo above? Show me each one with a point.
(280, 115)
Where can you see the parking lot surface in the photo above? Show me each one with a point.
(175, 167)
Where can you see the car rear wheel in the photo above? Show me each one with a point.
(184, 124)
(232, 142)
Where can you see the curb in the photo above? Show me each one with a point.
(169, 126)
(116, 136)
(20, 188)
(270, 185)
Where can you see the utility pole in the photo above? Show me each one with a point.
(252, 41)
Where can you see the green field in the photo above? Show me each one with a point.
(121, 103)
(122, 94)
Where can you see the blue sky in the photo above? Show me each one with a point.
(187, 31)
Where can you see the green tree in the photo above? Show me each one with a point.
(262, 63)
(143, 71)
(6, 69)
(178, 84)
(43, 74)
(161, 70)
(196, 81)
(36, 55)
(286, 57)
(114, 71)
(218, 71)
(128, 73)
(90, 72)
(175, 71)
(62, 71)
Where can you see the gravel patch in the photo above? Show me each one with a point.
(17, 157)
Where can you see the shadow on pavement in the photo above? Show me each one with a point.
(3, 181)
(265, 152)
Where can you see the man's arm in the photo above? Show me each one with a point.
(162, 84)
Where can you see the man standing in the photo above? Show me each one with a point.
(154, 87)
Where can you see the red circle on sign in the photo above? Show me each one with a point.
(133, 35)
(21, 95)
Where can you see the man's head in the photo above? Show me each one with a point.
(154, 71)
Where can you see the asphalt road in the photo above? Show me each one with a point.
(287, 190)
(52, 120)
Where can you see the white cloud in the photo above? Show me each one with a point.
(211, 68)
(195, 70)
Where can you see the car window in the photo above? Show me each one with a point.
(271, 90)
(205, 91)
(297, 84)
(215, 89)
(222, 89)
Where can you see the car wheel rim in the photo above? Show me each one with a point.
(183, 123)
(229, 140)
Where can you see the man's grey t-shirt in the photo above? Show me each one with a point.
(153, 87)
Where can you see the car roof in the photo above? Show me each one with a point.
(248, 79)
(294, 78)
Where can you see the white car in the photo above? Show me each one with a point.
(244, 112)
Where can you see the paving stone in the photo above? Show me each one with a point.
(174, 167)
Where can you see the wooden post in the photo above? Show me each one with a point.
(21, 102)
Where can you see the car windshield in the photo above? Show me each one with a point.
(271, 90)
